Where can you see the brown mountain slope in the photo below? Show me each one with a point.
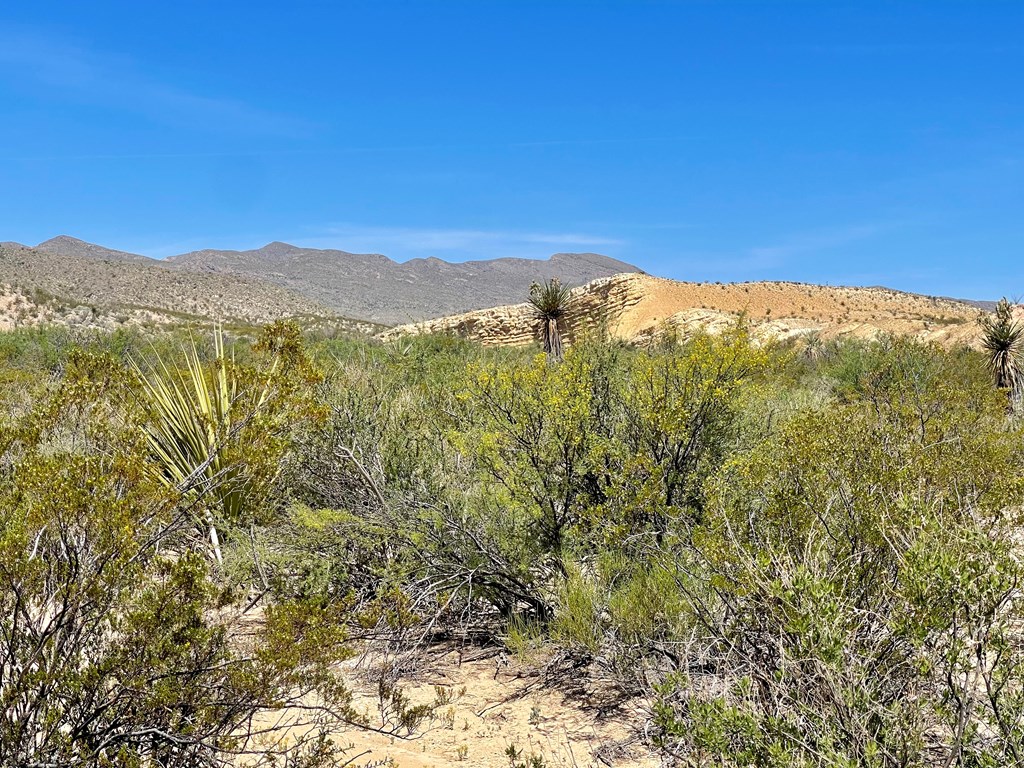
(639, 307)
(129, 284)
(72, 247)
(377, 288)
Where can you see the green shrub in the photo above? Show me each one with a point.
(863, 579)
(118, 644)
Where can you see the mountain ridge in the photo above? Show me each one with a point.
(374, 287)
(118, 285)
(277, 276)
(281, 279)
(66, 245)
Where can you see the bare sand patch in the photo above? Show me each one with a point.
(490, 703)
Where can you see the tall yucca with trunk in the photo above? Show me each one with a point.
(550, 302)
(196, 414)
(1003, 339)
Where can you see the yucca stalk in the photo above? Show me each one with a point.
(550, 302)
(1003, 339)
(196, 413)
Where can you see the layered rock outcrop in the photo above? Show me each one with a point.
(640, 308)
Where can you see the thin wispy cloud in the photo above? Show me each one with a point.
(67, 70)
(321, 151)
(582, 141)
(900, 49)
(453, 243)
(779, 254)
(786, 258)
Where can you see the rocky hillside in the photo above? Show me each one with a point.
(376, 288)
(640, 308)
(67, 278)
(73, 248)
(23, 309)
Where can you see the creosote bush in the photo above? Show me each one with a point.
(117, 639)
(795, 555)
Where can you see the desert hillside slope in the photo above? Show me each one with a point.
(73, 248)
(374, 287)
(637, 307)
(62, 274)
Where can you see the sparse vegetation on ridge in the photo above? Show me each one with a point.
(638, 308)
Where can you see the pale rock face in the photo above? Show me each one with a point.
(17, 309)
(642, 309)
(595, 304)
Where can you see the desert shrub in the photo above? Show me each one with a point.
(858, 584)
(856, 368)
(531, 437)
(578, 624)
(680, 414)
(415, 447)
(118, 646)
(378, 496)
(531, 430)
(591, 461)
(310, 554)
(645, 607)
(799, 559)
(37, 348)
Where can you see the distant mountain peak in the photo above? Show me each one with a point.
(62, 240)
(366, 286)
(593, 258)
(374, 287)
(128, 288)
(279, 247)
(72, 247)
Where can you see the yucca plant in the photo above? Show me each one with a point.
(1003, 339)
(550, 302)
(196, 415)
(814, 347)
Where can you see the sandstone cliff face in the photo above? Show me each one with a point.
(640, 309)
(596, 304)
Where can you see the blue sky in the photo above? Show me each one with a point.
(857, 143)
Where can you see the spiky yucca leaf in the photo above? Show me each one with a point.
(196, 413)
(1003, 339)
(550, 301)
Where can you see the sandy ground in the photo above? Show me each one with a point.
(497, 702)
(863, 312)
(490, 703)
